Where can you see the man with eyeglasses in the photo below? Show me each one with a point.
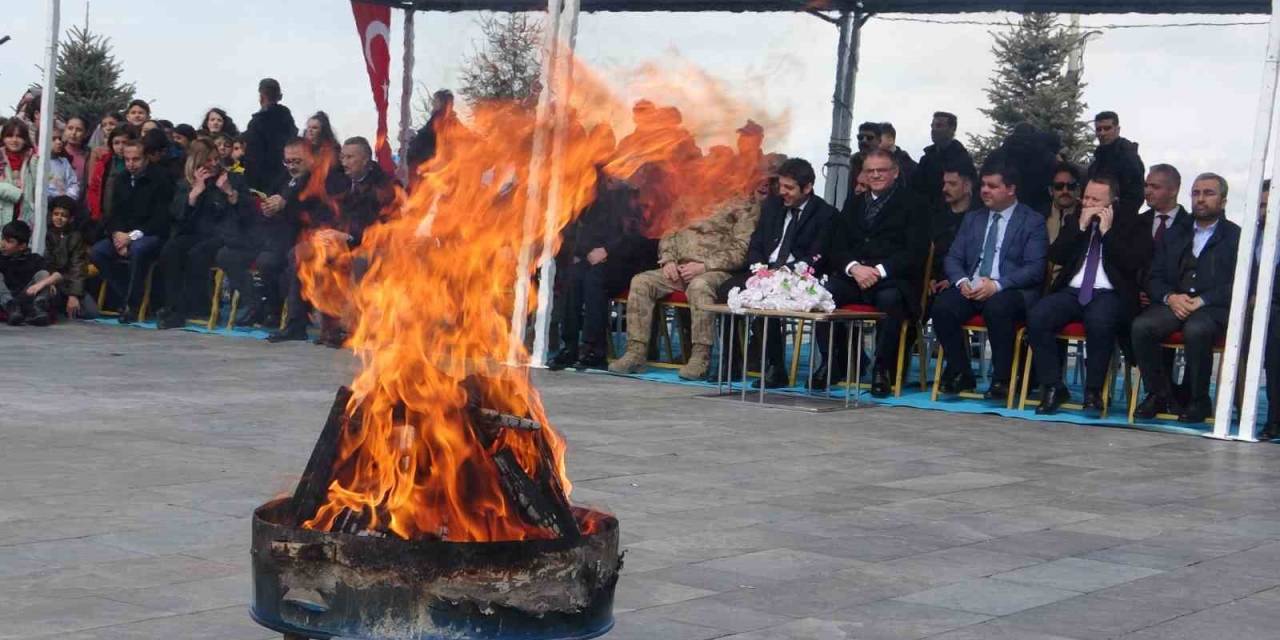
(1118, 157)
(875, 255)
(945, 152)
(1100, 253)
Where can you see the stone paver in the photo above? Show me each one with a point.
(131, 460)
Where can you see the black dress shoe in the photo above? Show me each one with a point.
(128, 316)
(1051, 398)
(591, 361)
(999, 390)
(1092, 400)
(1196, 412)
(773, 378)
(958, 383)
(562, 360)
(1151, 405)
(289, 333)
(170, 321)
(818, 381)
(880, 385)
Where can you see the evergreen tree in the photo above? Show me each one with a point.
(1031, 84)
(507, 65)
(89, 77)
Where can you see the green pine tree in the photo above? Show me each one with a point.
(89, 77)
(507, 64)
(1031, 84)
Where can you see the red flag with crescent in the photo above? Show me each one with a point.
(373, 23)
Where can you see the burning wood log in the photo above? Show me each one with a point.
(313, 486)
(537, 505)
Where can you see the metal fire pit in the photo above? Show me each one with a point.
(315, 584)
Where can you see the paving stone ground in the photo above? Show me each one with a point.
(130, 461)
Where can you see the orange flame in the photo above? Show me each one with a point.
(430, 316)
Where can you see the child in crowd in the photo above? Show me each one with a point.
(63, 180)
(26, 286)
(238, 149)
(17, 176)
(67, 255)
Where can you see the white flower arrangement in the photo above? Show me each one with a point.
(793, 288)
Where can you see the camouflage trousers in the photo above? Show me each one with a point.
(648, 287)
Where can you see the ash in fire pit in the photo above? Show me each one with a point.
(355, 578)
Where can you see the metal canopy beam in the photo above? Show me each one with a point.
(866, 6)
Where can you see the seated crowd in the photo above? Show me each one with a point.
(1027, 244)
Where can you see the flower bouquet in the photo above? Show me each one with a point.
(793, 288)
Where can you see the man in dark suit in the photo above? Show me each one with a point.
(1163, 211)
(996, 266)
(1100, 252)
(790, 230)
(1192, 275)
(875, 255)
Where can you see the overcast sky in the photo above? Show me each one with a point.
(1187, 95)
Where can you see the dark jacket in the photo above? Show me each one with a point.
(1126, 251)
(906, 166)
(212, 215)
(926, 180)
(1023, 254)
(615, 223)
(943, 225)
(1148, 218)
(897, 239)
(1034, 153)
(811, 234)
(1215, 274)
(364, 201)
(142, 203)
(68, 253)
(267, 133)
(1121, 161)
(19, 270)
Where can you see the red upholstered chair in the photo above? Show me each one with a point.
(676, 300)
(1176, 342)
(977, 324)
(1073, 333)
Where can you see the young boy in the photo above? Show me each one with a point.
(26, 289)
(67, 255)
(237, 154)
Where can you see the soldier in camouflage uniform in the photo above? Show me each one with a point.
(695, 260)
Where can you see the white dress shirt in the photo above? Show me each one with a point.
(786, 222)
(1168, 222)
(848, 269)
(995, 257)
(1099, 282)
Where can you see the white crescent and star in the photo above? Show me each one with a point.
(376, 29)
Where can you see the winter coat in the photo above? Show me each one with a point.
(17, 191)
(141, 203)
(267, 133)
(63, 180)
(719, 242)
(255, 231)
(364, 201)
(1035, 154)
(613, 222)
(1121, 161)
(926, 180)
(212, 215)
(19, 270)
(67, 253)
(103, 170)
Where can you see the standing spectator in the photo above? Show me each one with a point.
(107, 167)
(443, 116)
(25, 290)
(61, 176)
(136, 229)
(182, 137)
(102, 136)
(945, 152)
(1100, 252)
(325, 149)
(152, 125)
(74, 136)
(217, 121)
(996, 267)
(889, 142)
(235, 162)
(67, 255)
(1190, 287)
(264, 238)
(207, 201)
(1035, 153)
(868, 138)
(1118, 157)
(18, 180)
(266, 136)
(138, 113)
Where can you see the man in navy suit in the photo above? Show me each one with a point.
(996, 266)
(792, 221)
(1192, 276)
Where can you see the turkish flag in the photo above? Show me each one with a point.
(373, 23)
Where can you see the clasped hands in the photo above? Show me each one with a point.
(979, 290)
(677, 274)
(1183, 305)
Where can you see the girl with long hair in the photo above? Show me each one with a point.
(18, 178)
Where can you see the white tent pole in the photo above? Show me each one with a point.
(47, 106)
(1261, 315)
(563, 86)
(534, 208)
(1248, 232)
(406, 96)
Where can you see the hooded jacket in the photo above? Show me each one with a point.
(267, 133)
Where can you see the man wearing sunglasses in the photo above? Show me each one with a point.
(1064, 192)
(1118, 157)
(869, 136)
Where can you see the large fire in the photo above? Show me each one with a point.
(430, 315)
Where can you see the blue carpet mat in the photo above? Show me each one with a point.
(255, 334)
